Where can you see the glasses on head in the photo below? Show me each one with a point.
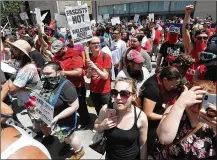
(200, 38)
(115, 33)
(95, 43)
(123, 93)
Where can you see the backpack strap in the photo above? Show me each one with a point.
(56, 96)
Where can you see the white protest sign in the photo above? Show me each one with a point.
(115, 20)
(99, 19)
(61, 20)
(38, 15)
(63, 30)
(79, 23)
(7, 68)
(151, 17)
(44, 110)
(106, 16)
(136, 17)
(24, 16)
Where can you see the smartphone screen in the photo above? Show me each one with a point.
(110, 113)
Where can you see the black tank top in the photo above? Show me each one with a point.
(123, 144)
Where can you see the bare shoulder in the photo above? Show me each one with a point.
(142, 120)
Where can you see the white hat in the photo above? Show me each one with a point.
(22, 45)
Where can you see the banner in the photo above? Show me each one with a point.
(79, 23)
(44, 110)
(136, 17)
(24, 16)
(115, 20)
(151, 17)
(61, 20)
(99, 19)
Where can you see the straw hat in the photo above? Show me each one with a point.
(22, 45)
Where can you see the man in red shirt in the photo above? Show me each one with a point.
(70, 60)
(99, 66)
(157, 40)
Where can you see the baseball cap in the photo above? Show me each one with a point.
(135, 56)
(56, 46)
(174, 29)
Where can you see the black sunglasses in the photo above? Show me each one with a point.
(95, 43)
(123, 93)
(200, 38)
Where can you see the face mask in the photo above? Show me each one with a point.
(200, 46)
(173, 38)
(135, 74)
(50, 83)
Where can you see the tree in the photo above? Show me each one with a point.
(9, 9)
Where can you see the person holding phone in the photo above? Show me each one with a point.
(125, 126)
(179, 120)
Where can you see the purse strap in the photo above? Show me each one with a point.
(189, 134)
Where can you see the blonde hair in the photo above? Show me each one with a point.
(206, 85)
(131, 81)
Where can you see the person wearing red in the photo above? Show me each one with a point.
(194, 48)
(72, 64)
(157, 40)
(98, 69)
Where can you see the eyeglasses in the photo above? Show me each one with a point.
(200, 38)
(123, 93)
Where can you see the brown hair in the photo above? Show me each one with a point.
(128, 80)
(206, 85)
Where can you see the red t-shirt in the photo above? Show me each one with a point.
(148, 46)
(97, 84)
(192, 69)
(158, 35)
(71, 60)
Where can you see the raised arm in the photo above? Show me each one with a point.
(185, 33)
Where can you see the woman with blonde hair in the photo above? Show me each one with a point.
(126, 131)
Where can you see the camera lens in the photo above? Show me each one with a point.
(206, 97)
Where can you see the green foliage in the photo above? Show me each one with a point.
(9, 8)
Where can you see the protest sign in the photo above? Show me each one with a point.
(38, 15)
(151, 17)
(115, 20)
(99, 19)
(24, 16)
(79, 23)
(7, 68)
(44, 110)
(61, 20)
(136, 18)
(106, 16)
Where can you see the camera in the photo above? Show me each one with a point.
(205, 97)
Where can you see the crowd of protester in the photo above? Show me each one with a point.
(158, 114)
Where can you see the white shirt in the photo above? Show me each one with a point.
(117, 48)
(124, 74)
(144, 40)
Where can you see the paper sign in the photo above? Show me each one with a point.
(136, 18)
(151, 17)
(38, 15)
(100, 19)
(24, 16)
(106, 16)
(7, 68)
(63, 30)
(61, 20)
(79, 23)
(115, 20)
(44, 110)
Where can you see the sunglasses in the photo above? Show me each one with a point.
(123, 93)
(115, 33)
(200, 38)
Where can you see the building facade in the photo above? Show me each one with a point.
(164, 9)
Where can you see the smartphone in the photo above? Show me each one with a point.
(110, 113)
(208, 98)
